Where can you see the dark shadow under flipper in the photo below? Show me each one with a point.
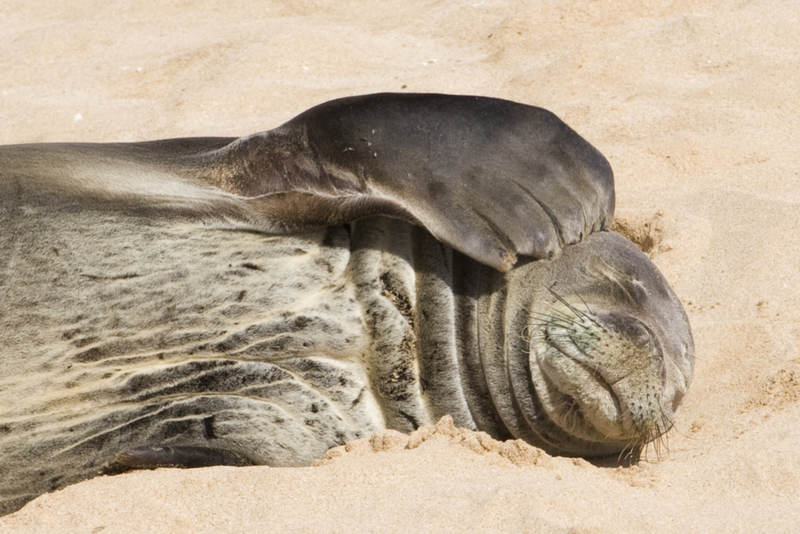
(183, 457)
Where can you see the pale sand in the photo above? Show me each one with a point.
(696, 105)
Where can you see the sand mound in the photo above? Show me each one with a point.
(444, 434)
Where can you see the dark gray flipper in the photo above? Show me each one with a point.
(489, 177)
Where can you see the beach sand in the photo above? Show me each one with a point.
(695, 104)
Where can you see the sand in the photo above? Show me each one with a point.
(694, 103)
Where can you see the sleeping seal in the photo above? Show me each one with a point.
(209, 301)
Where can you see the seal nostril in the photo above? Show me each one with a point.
(550, 255)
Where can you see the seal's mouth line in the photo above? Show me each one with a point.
(593, 372)
(576, 409)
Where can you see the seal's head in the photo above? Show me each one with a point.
(596, 348)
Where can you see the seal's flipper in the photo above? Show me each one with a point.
(489, 177)
(153, 458)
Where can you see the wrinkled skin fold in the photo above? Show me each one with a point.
(210, 301)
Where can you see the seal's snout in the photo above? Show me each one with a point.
(599, 376)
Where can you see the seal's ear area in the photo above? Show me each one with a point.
(491, 178)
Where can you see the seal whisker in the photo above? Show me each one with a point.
(589, 316)
(585, 304)
(563, 322)
(563, 301)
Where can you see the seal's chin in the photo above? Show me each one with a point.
(599, 377)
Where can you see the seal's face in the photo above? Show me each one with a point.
(587, 355)
(599, 377)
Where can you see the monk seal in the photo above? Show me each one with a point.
(209, 301)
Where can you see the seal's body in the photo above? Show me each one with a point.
(150, 316)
